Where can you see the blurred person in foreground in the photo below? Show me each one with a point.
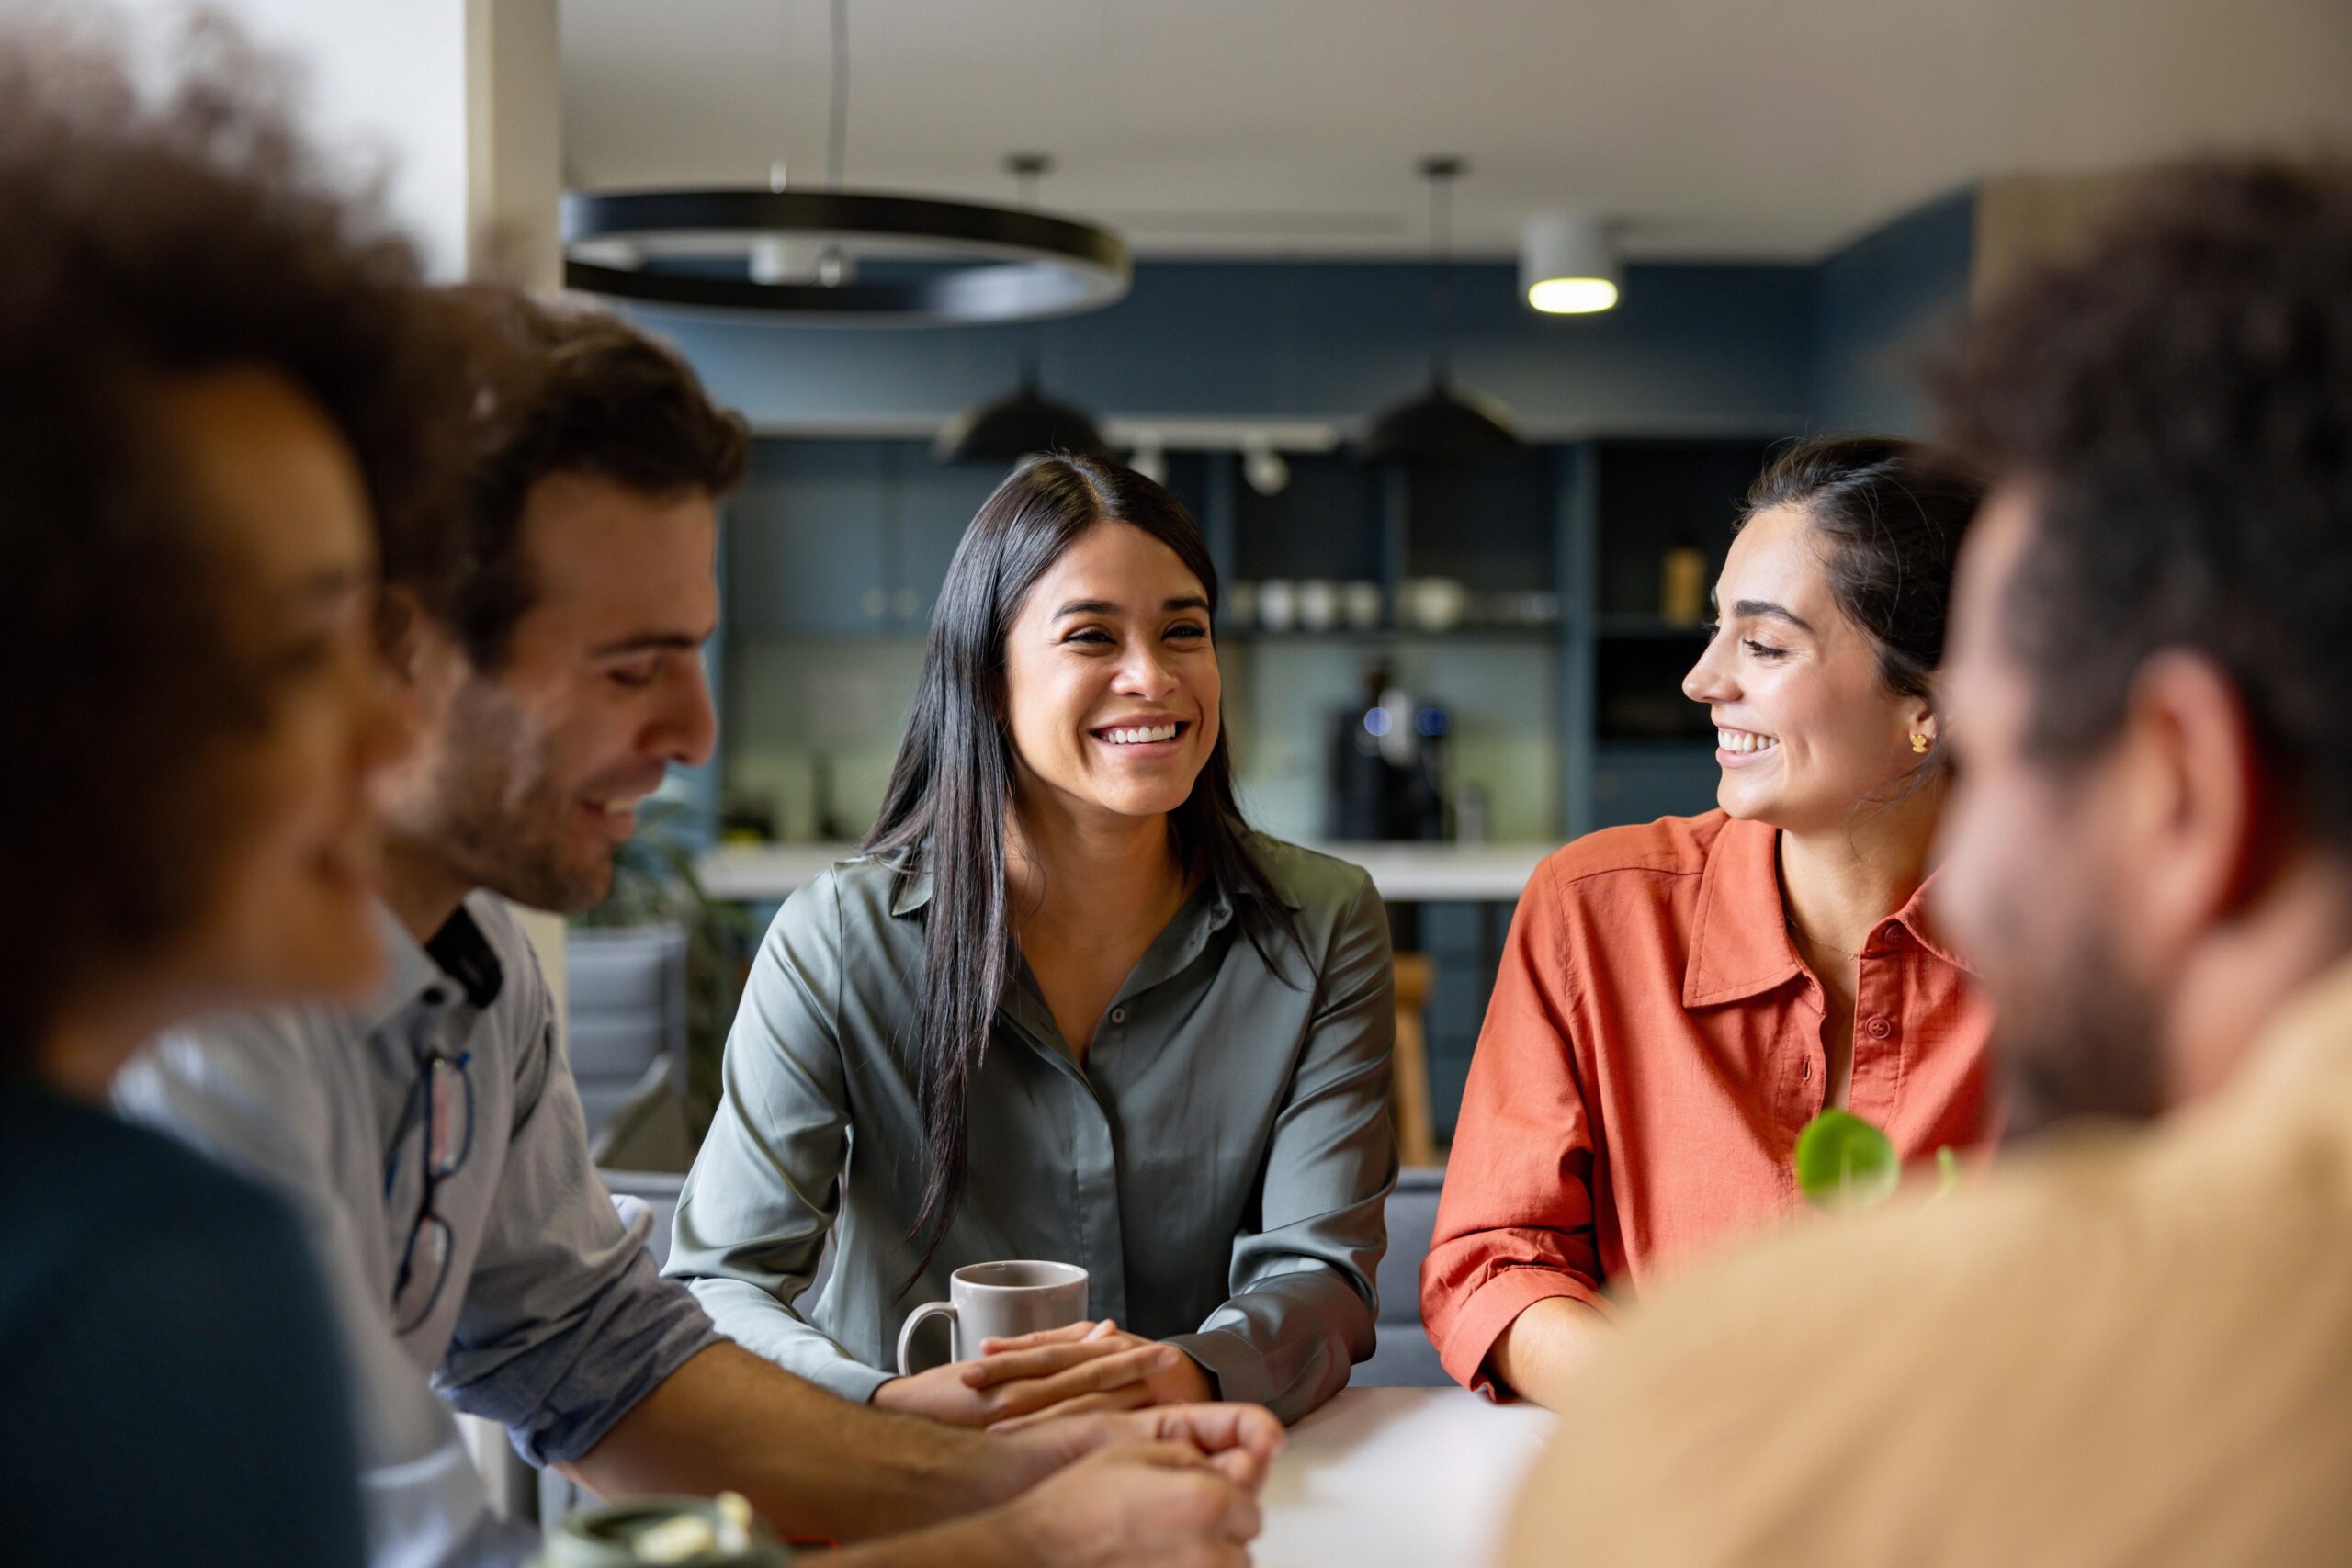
(212, 370)
(2133, 1344)
(552, 655)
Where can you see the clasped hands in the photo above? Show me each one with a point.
(1078, 1369)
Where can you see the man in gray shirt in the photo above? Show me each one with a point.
(434, 1138)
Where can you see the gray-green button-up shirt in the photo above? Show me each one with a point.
(1218, 1163)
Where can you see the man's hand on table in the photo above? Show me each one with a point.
(1238, 1440)
(1141, 1504)
(1174, 1487)
(1083, 1369)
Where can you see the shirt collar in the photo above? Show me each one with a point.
(1740, 937)
(1740, 945)
(457, 955)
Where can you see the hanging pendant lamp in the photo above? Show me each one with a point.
(1026, 422)
(826, 254)
(1443, 424)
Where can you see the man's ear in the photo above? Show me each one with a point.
(2199, 807)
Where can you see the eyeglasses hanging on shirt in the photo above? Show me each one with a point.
(442, 1104)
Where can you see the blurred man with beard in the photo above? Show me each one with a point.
(2132, 1343)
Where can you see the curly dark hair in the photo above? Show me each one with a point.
(153, 236)
(2181, 398)
(561, 386)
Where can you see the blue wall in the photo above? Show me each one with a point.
(1699, 350)
(1692, 350)
(1881, 304)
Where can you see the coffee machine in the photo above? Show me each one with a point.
(1386, 760)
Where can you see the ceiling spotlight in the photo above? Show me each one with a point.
(1567, 267)
(1264, 468)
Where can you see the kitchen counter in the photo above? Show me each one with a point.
(1404, 873)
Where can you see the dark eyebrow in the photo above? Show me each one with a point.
(650, 642)
(1749, 609)
(1104, 607)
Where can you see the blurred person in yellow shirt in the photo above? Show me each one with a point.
(2133, 1344)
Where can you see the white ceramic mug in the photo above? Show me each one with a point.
(997, 1301)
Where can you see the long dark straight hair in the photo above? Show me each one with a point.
(944, 816)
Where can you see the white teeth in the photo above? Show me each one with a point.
(1140, 737)
(1743, 741)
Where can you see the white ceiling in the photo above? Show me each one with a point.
(1767, 128)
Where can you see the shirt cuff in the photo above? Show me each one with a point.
(1235, 1368)
(853, 1380)
(1490, 1308)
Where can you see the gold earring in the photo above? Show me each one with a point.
(1918, 744)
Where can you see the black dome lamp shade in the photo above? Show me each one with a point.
(1025, 421)
(1440, 425)
(1018, 426)
(1443, 424)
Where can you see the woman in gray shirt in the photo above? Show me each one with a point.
(1065, 1005)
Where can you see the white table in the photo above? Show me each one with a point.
(1402, 873)
(1399, 1478)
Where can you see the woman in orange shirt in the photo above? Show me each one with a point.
(1677, 1000)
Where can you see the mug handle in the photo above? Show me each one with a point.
(915, 1320)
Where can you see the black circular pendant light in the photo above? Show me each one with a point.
(1443, 424)
(824, 255)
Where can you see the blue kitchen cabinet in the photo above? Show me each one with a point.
(810, 540)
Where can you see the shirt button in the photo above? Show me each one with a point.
(1880, 1029)
(1118, 1015)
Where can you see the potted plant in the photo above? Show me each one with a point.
(656, 898)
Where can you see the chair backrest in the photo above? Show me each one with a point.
(1412, 1220)
(625, 1007)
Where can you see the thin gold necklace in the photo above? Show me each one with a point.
(1817, 941)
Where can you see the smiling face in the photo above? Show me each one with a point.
(1111, 680)
(1806, 728)
(289, 913)
(533, 772)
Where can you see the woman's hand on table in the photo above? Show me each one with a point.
(1083, 1369)
(1087, 1368)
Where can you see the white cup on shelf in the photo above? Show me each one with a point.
(1277, 604)
(1434, 603)
(1318, 605)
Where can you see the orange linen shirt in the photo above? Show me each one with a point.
(1652, 1051)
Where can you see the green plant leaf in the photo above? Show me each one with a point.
(1947, 1174)
(1844, 1165)
(654, 883)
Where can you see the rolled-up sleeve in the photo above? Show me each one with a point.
(1515, 1225)
(1302, 1280)
(566, 1323)
(752, 1220)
